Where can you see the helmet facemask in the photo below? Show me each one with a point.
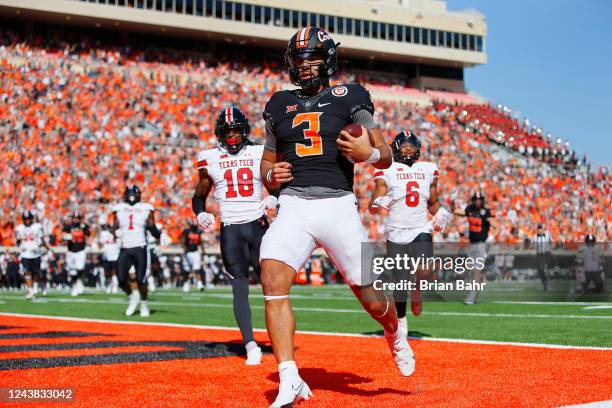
(304, 74)
(400, 141)
(233, 142)
(232, 130)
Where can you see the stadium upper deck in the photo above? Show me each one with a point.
(429, 45)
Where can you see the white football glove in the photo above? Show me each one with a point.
(442, 217)
(165, 240)
(383, 202)
(268, 203)
(205, 219)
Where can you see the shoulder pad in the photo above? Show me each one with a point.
(354, 96)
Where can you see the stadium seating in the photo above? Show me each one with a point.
(79, 121)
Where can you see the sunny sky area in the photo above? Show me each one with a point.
(550, 60)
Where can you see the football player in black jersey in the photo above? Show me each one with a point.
(481, 220)
(193, 247)
(307, 158)
(76, 233)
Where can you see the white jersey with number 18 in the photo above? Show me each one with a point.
(237, 180)
(132, 221)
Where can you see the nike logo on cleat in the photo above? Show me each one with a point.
(323, 104)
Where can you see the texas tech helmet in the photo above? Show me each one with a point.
(232, 118)
(27, 217)
(396, 147)
(131, 195)
(311, 43)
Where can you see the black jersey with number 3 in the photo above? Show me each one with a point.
(306, 129)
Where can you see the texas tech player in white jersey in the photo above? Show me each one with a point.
(30, 238)
(233, 169)
(132, 221)
(409, 189)
(237, 182)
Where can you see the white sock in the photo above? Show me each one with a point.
(143, 303)
(287, 370)
(251, 345)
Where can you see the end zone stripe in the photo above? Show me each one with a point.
(333, 334)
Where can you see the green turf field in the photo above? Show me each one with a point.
(583, 321)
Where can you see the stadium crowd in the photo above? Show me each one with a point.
(79, 120)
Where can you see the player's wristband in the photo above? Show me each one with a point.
(374, 157)
(269, 176)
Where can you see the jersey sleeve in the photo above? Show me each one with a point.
(364, 118)
(116, 208)
(270, 144)
(435, 173)
(149, 207)
(271, 110)
(357, 98)
(202, 160)
(18, 232)
(379, 175)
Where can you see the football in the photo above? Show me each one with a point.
(356, 131)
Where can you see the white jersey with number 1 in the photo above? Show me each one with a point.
(132, 223)
(409, 187)
(237, 180)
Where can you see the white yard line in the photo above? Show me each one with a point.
(598, 404)
(554, 303)
(596, 307)
(195, 326)
(320, 309)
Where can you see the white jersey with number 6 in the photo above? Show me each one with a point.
(409, 187)
(237, 180)
(132, 221)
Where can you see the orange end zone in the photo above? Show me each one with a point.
(342, 371)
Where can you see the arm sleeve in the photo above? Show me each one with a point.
(202, 162)
(364, 118)
(270, 144)
(379, 175)
(434, 172)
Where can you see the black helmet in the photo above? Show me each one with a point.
(309, 41)
(396, 145)
(77, 215)
(232, 118)
(477, 195)
(131, 195)
(590, 239)
(27, 217)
